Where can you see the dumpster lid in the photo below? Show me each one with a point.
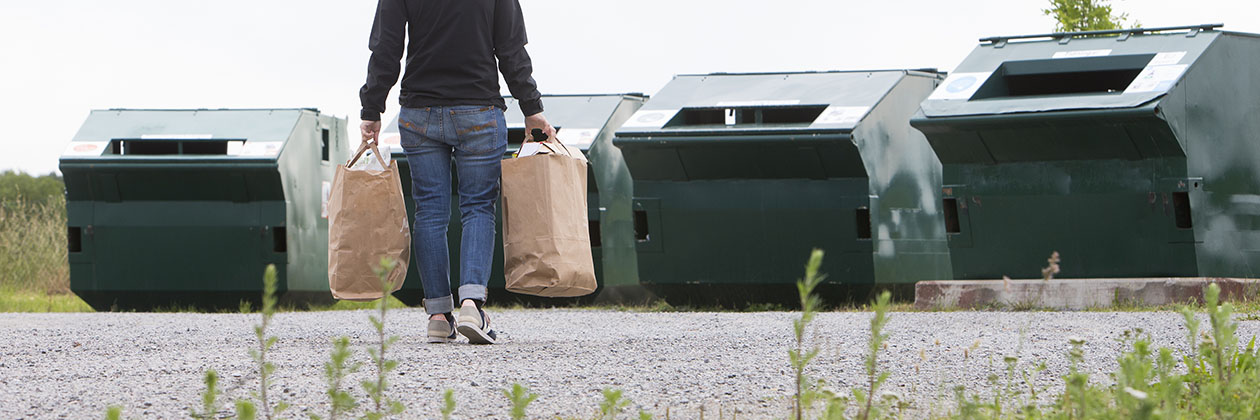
(761, 102)
(184, 133)
(579, 119)
(1069, 71)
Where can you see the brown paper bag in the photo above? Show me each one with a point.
(367, 220)
(546, 238)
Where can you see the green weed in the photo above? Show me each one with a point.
(209, 398)
(335, 372)
(613, 404)
(448, 404)
(520, 398)
(376, 389)
(265, 343)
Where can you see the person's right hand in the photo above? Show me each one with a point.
(540, 122)
(371, 130)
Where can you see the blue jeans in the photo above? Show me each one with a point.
(476, 137)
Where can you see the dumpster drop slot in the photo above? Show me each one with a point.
(595, 239)
(641, 226)
(175, 147)
(1181, 210)
(279, 240)
(777, 115)
(1073, 76)
(75, 238)
(951, 216)
(323, 142)
(863, 223)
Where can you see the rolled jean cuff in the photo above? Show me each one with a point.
(442, 305)
(472, 291)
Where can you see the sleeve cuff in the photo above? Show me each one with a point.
(369, 115)
(531, 107)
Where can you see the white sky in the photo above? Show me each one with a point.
(61, 58)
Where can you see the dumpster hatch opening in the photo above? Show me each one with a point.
(779, 115)
(323, 153)
(75, 238)
(279, 240)
(863, 223)
(641, 226)
(175, 147)
(595, 239)
(1181, 210)
(1091, 75)
(951, 216)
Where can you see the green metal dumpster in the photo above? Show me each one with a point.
(187, 207)
(1132, 153)
(584, 121)
(738, 176)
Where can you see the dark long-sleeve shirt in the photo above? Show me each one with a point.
(456, 49)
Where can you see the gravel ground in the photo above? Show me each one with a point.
(74, 365)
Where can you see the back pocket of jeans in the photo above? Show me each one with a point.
(478, 130)
(411, 126)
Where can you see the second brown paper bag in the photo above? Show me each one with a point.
(546, 237)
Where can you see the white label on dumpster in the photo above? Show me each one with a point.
(260, 148)
(1166, 58)
(326, 191)
(176, 136)
(577, 137)
(86, 148)
(1082, 53)
(842, 115)
(960, 86)
(650, 118)
(1156, 78)
(780, 102)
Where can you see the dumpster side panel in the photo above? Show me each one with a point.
(306, 231)
(751, 231)
(619, 265)
(1221, 128)
(908, 233)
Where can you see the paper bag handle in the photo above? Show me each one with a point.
(542, 140)
(363, 147)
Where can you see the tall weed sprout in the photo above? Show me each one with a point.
(265, 343)
(874, 376)
(800, 356)
(382, 406)
(335, 372)
(520, 398)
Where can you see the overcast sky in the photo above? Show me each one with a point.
(60, 59)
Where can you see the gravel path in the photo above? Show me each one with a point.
(74, 365)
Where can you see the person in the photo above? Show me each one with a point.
(452, 108)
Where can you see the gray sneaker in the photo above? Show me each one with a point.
(441, 331)
(475, 324)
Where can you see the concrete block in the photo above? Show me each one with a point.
(1076, 293)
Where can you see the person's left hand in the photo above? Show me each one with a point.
(371, 130)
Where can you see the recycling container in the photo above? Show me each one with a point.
(586, 122)
(738, 176)
(178, 208)
(1132, 153)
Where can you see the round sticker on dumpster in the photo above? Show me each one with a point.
(962, 84)
(85, 148)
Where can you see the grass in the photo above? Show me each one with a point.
(29, 301)
(33, 246)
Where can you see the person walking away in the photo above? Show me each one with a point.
(452, 108)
